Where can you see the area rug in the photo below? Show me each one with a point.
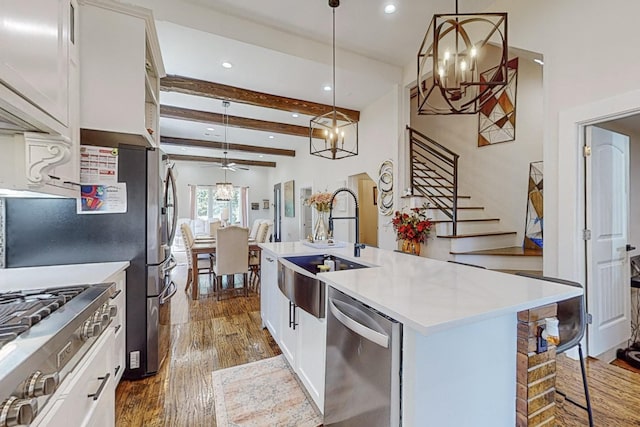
(623, 364)
(262, 393)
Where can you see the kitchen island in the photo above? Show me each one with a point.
(460, 329)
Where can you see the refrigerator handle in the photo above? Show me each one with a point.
(374, 336)
(170, 291)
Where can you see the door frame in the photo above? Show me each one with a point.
(277, 212)
(571, 208)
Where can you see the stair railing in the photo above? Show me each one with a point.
(434, 174)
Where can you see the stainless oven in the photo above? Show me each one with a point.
(44, 334)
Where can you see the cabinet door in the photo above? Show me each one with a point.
(34, 52)
(268, 289)
(312, 333)
(288, 328)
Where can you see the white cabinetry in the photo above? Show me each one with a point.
(288, 341)
(36, 37)
(269, 302)
(311, 354)
(300, 336)
(118, 325)
(89, 394)
(44, 76)
(120, 76)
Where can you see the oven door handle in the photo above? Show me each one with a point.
(374, 336)
(168, 293)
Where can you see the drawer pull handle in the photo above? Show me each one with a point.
(114, 296)
(54, 177)
(117, 369)
(117, 329)
(269, 259)
(97, 394)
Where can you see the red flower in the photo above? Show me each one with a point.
(414, 226)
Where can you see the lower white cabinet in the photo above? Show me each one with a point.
(300, 336)
(289, 328)
(311, 355)
(269, 302)
(88, 398)
(117, 326)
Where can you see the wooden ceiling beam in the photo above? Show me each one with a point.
(187, 142)
(189, 86)
(237, 122)
(185, 158)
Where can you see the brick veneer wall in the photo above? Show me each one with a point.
(536, 372)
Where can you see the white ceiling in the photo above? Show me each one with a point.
(283, 47)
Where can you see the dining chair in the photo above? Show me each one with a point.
(213, 227)
(572, 317)
(261, 234)
(205, 265)
(254, 228)
(255, 256)
(232, 257)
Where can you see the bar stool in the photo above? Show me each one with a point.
(572, 317)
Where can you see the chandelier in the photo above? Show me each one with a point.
(333, 135)
(224, 190)
(454, 49)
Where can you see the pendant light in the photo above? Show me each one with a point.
(224, 190)
(333, 135)
(453, 50)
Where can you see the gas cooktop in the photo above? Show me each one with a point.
(23, 309)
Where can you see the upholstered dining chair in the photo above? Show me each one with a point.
(254, 228)
(205, 265)
(232, 257)
(572, 318)
(213, 227)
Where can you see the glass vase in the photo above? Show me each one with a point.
(320, 228)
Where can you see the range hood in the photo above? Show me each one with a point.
(10, 123)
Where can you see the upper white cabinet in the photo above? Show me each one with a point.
(35, 38)
(120, 75)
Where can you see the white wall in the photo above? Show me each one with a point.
(495, 176)
(379, 132)
(590, 55)
(196, 173)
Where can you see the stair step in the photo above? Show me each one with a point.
(459, 207)
(491, 233)
(508, 251)
(441, 221)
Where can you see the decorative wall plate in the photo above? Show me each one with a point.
(385, 188)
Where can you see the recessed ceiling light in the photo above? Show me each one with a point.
(538, 61)
(183, 148)
(226, 64)
(271, 136)
(261, 156)
(390, 8)
(327, 88)
(210, 129)
(295, 115)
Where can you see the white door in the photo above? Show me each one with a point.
(608, 289)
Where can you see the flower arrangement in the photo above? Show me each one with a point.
(413, 226)
(320, 201)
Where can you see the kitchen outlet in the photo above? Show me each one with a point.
(134, 360)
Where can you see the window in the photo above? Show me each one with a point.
(208, 207)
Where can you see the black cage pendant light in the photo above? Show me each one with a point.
(462, 62)
(333, 135)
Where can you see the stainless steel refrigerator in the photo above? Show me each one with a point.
(49, 232)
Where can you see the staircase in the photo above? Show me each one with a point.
(463, 232)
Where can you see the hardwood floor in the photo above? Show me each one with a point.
(208, 335)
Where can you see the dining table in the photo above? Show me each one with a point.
(207, 245)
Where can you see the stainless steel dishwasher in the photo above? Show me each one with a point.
(363, 365)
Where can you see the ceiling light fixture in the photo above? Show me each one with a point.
(454, 50)
(333, 135)
(227, 64)
(390, 8)
(224, 190)
(327, 88)
(295, 115)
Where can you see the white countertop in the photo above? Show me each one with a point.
(430, 295)
(58, 275)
